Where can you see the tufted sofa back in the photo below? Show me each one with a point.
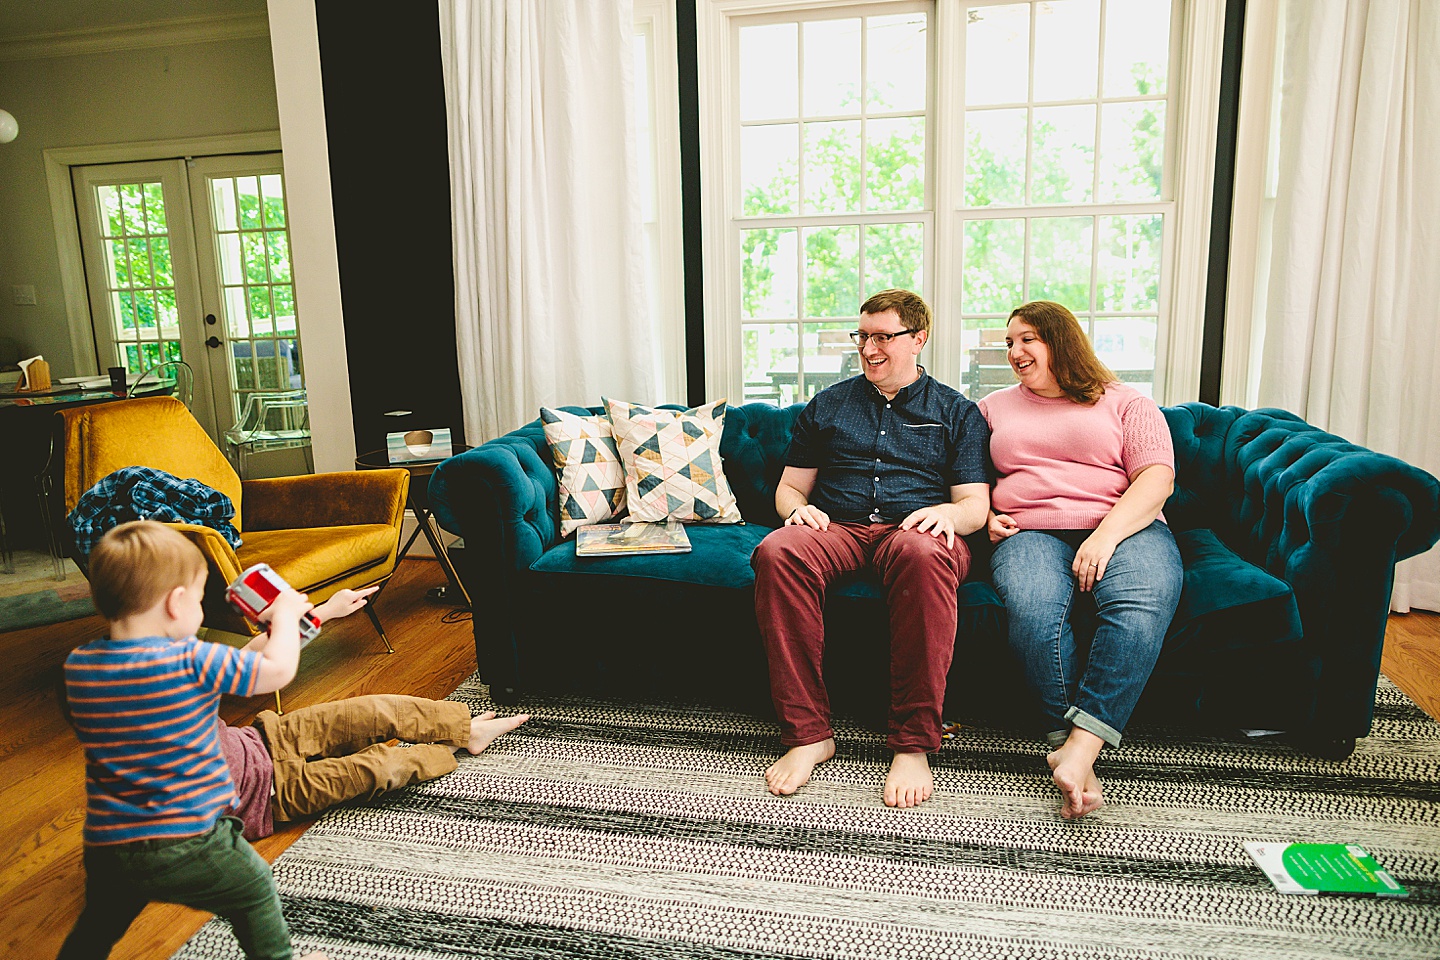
(753, 448)
(1247, 475)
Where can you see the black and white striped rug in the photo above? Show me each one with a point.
(605, 830)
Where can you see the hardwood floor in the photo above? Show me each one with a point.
(42, 772)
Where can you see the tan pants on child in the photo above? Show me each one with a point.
(332, 752)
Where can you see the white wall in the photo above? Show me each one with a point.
(312, 231)
(157, 93)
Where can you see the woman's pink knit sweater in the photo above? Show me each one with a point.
(1062, 465)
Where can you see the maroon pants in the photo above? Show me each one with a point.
(793, 568)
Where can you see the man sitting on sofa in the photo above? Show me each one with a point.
(885, 471)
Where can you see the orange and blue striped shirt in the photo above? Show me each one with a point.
(146, 712)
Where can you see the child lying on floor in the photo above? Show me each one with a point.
(302, 762)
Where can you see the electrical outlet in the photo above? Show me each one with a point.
(23, 293)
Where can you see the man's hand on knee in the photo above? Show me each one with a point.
(809, 515)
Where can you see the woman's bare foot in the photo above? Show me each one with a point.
(792, 771)
(909, 782)
(1073, 769)
(486, 727)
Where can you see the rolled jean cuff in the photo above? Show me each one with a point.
(1100, 728)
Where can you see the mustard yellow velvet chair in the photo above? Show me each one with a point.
(321, 532)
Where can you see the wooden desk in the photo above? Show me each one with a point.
(28, 437)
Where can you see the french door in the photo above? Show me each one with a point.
(190, 260)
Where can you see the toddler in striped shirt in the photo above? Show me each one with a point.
(144, 702)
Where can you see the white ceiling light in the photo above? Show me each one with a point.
(9, 128)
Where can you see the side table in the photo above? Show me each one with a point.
(418, 500)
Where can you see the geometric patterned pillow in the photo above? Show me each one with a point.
(672, 462)
(587, 464)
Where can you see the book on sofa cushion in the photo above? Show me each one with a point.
(631, 539)
(672, 462)
(587, 467)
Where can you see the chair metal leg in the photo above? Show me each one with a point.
(42, 494)
(278, 708)
(375, 619)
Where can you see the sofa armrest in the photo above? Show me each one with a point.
(1332, 519)
(502, 498)
(325, 500)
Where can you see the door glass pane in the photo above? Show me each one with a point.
(1137, 47)
(995, 157)
(1132, 150)
(768, 360)
(1067, 49)
(1060, 261)
(257, 298)
(894, 257)
(896, 61)
(832, 167)
(994, 267)
(768, 281)
(139, 279)
(1064, 144)
(769, 87)
(832, 271)
(1127, 346)
(832, 67)
(997, 54)
(895, 164)
(770, 169)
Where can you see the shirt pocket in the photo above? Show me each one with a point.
(921, 444)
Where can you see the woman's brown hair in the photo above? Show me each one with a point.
(1077, 371)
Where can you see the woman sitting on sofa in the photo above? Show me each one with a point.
(1083, 466)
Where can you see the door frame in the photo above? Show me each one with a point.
(59, 160)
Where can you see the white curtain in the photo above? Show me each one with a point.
(550, 298)
(1353, 308)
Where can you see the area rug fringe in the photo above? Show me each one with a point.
(620, 830)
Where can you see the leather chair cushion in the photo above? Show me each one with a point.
(314, 559)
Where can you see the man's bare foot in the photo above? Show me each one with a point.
(792, 771)
(1072, 767)
(909, 782)
(486, 727)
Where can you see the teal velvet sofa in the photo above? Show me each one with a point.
(1289, 537)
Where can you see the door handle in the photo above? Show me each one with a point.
(213, 341)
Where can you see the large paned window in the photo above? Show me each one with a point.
(982, 153)
(1064, 176)
(832, 118)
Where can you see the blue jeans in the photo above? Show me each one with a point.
(1134, 601)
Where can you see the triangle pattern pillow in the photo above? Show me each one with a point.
(588, 467)
(672, 462)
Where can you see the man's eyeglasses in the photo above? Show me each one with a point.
(859, 336)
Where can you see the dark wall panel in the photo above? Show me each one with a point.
(389, 173)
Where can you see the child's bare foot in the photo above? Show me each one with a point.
(909, 782)
(1073, 769)
(486, 727)
(792, 771)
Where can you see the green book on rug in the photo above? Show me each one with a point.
(1324, 868)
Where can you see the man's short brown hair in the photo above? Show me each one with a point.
(913, 310)
(136, 564)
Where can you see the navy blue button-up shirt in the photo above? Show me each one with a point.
(884, 459)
